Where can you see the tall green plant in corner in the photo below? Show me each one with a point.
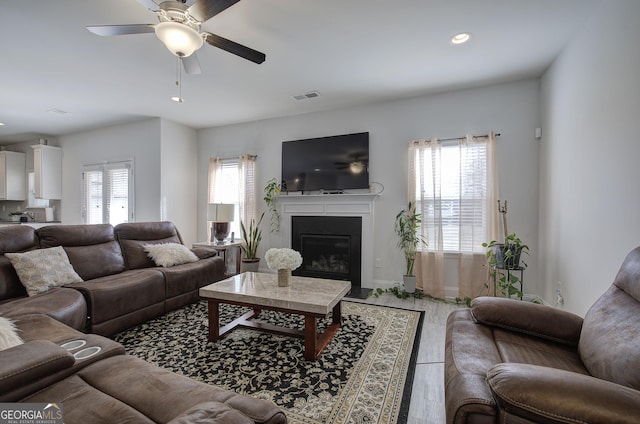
(407, 225)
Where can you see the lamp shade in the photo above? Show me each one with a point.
(220, 212)
(180, 39)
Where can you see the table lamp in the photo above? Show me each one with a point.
(220, 214)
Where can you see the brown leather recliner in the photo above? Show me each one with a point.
(508, 361)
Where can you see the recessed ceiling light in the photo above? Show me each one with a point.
(177, 99)
(1, 124)
(461, 38)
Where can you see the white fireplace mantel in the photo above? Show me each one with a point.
(333, 205)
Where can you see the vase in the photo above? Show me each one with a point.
(249, 265)
(409, 283)
(283, 277)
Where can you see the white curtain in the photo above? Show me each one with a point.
(455, 188)
(424, 191)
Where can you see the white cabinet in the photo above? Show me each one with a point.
(47, 167)
(12, 175)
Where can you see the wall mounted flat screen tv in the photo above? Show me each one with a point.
(333, 163)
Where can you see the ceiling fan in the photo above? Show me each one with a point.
(179, 30)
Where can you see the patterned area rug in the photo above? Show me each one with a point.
(363, 376)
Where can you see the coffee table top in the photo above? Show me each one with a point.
(306, 294)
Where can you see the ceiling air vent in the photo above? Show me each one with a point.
(309, 95)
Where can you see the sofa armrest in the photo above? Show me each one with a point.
(30, 362)
(542, 394)
(204, 253)
(529, 318)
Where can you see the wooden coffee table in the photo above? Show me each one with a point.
(311, 297)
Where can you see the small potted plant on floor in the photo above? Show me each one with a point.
(406, 228)
(251, 239)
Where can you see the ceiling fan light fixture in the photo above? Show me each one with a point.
(180, 39)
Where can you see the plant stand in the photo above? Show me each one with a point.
(509, 271)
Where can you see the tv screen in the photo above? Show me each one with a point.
(334, 163)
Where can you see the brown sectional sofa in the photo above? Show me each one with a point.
(508, 361)
(111, 387)
(121, 287)
(95, 381)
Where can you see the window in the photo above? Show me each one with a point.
(108, 193)
(232, 181)
(451, 183)
(226, 191)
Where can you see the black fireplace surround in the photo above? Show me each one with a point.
(331, 247)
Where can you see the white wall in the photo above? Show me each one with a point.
(589, 192)
(511, 109)
(139, 141)
(178, 178)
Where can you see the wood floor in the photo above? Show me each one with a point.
(427, 397)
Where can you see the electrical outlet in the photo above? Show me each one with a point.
(378, 263)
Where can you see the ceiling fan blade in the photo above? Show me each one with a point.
(203, 10)
(235, 48)
(191, 64)
(107, 30)
(149, 4)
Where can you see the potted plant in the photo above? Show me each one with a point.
(251, 238)
(271, 190)
(15, 216)
(503, 257)
(406, 228)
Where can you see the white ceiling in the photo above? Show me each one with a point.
(351, 51)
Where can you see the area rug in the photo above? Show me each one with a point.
(363, 376)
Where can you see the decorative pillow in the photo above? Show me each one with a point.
(43, 269)
(169, 254)
(8, 334)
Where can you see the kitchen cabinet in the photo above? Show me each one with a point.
(47, 168)
(12, 175)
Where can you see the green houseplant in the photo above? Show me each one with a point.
(503, 257)
(271, 190)
(251, 239)
(407, 224)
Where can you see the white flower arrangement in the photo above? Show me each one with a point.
(283, 259)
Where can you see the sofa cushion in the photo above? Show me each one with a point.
(43, 269)
(117, 296)
(136, 391)
(133, 236)
(169, 254)
(63, 304)
(92, 249)
(8, 334)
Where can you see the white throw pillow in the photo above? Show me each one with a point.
(43, 269)
(8, 334)
(169, 254)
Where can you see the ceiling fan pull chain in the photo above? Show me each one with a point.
(178, 81)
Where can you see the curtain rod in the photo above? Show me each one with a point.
(462, 138)
(236, 157)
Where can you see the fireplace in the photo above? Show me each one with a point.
(331, 247)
